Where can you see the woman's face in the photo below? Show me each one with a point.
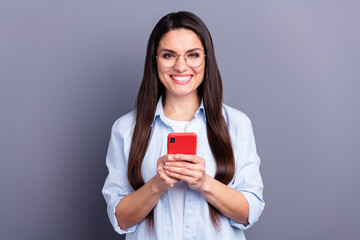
(180, 79)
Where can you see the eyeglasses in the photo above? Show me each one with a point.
(193, 58)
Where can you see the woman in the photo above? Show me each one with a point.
(150, 194)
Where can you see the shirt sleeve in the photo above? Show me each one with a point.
(247, 177)
(116, 184)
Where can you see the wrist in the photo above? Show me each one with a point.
(206, 187)
(154, 187)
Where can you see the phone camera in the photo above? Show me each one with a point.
(172, 140)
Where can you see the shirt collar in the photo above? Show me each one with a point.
(201, 111)
(159, 112)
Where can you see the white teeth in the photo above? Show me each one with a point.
(181, 79)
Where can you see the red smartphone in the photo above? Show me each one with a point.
(182, 143)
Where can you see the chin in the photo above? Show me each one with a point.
(181, 93)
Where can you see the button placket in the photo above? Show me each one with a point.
(189, 214)
(190, 198)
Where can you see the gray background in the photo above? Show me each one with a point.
(69, 69)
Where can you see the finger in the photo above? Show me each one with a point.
(183, 164)
(179, 157)
(188, 158)
(167, 178)
(178, 176)
(184, 172)
(170, 157)
(162, 160)
(187, 165)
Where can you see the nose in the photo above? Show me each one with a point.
(180, 64)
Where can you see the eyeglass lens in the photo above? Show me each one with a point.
(193, 59)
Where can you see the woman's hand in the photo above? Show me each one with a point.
(163, 181)
(189, 168)
(135, 206)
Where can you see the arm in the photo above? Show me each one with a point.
(227, 200)
(241, 200)
(126, 207)
(134, 207)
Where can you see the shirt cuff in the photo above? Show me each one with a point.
(111, 213)
(256, 206)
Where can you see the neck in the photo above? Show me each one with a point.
(181, 108)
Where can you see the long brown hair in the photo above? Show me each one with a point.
(210, 91)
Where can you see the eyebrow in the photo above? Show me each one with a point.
(172, 51)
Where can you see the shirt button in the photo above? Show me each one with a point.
(190, 199)
(187, 226)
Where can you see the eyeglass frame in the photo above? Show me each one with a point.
(184, 55)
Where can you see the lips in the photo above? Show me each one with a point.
(181, 79)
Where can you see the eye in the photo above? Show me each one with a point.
(168, 55)
(193, 55)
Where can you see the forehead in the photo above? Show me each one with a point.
(180, 40)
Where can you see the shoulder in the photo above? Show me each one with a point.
(125, 124)
(238, 123)
(235, 117)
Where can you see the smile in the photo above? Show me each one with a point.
(181, 79)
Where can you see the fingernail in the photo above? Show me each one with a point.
(176, 157)
(166, 167)
(167, 163)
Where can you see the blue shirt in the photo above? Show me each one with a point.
(197, 223)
